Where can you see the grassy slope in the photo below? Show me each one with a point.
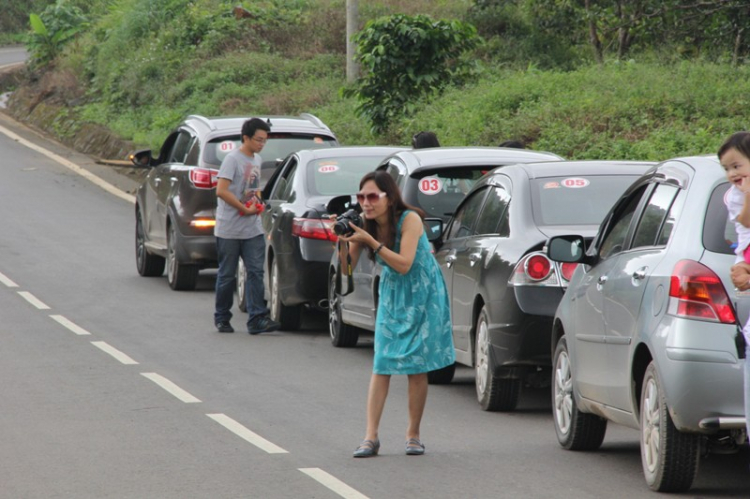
(626, 111)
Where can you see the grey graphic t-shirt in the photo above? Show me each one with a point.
(244, 174)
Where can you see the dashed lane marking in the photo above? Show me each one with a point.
(107, 348)
(71, 326)
(242, 432)
(5, 280)
(171, 388)
(333, 483)
(33, 300)
(70, 165)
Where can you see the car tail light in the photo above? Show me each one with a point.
(696, 292)
(567, 269)
(204, 178)
(313, 228)
(538, 267)
(203, 223)
(534, 269)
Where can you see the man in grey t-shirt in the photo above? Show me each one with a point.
(239, 233)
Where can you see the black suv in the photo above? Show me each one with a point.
(176, 204)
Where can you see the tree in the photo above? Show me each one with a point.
(406, 58)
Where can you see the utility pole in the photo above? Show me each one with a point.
(352, 25)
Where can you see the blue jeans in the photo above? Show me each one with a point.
(229, 251)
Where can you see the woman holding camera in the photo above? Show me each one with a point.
(413, 333)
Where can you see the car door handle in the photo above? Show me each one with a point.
(157, 181)
(449, 260)
(474, 258)
(640, 274)
(602, 280)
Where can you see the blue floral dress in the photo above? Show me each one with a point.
(413, 331)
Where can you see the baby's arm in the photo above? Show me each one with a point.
(744, 216)
(741, 275)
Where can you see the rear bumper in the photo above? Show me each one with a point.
(519, 339)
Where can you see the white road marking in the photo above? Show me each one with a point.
(171, 388)
(33, 300)
(12, 64)
(7, 281)
(107, 348)
(70, 165)
(332, 483)
(242, 432)
(73, 327)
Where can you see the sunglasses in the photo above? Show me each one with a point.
(371, 197)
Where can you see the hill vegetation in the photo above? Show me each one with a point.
(596, 79)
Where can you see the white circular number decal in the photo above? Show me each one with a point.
(226, 146)
(575, 183)
(430, 185)
(328, 168)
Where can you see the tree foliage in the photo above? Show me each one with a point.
(51, 30)
(405, 59)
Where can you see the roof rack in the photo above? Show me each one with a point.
(314, 119)
(203, 120)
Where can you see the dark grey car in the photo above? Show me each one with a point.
(435, 180)
(176, 204)
(503, 289)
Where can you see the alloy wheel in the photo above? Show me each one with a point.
(563, 393)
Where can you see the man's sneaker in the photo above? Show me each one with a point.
(224, 327)
(262, 324)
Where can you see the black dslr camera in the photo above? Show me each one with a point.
(341, 226)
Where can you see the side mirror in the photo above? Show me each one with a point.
(340, 204)
(567, 249)
(142, 158)
(433, 227)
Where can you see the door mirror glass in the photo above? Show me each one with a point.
(566, 249)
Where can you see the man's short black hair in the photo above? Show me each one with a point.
(252, 125)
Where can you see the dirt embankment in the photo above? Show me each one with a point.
(47, 103)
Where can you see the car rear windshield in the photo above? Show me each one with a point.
(576, 200)
(279, 146)
(338, 176)
(439, 192)
(719, 234)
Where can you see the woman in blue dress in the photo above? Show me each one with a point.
(413, 334)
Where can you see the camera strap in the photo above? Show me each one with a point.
(349, 278)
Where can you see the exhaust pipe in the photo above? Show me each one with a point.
(323, 304)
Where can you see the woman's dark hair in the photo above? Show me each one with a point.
(396, 207)
(422, 140)
(739, 141)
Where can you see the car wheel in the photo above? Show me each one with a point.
(289, 317)
(493, 392)
(342, 335)
(575, 430)
(669, 457)
(180, 277)
(441, 376)
(241, 281)
(148, 265)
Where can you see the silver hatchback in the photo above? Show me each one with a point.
(647, 334)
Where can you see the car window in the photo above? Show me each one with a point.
(719, 234)
(576, 200)
(614, 242)
(192, 156)
(338, 176)
(279, 145)
(166, 148)
(654, 215)
(283, 187)
(181, 147)
(439, 192)
(462, 224)
(395, 169)
(494, 216)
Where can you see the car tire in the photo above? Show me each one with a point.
(442, 376)
(575, 430)
(180, 277)
(670, 458)
(240, 282)
(494, 393)
(342, 335)
(148, 265)
(289, 317)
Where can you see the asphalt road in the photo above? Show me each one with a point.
(11, 56)
(114, 386)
